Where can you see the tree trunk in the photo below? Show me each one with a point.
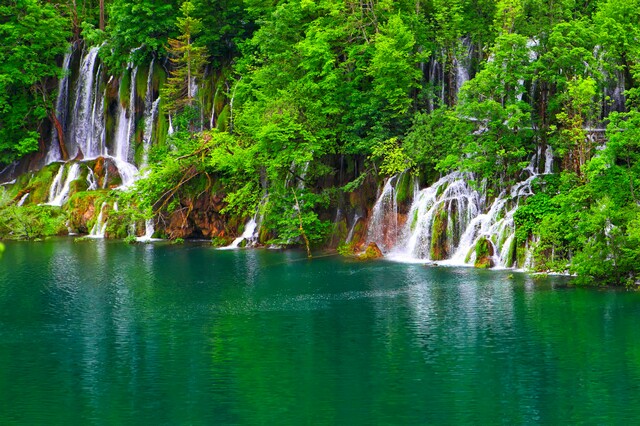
(60, 132)
(101, 24)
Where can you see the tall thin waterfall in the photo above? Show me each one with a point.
(125, 126)
(85, 129)
(357, 218)
(125, 122)
(54, 153)
(462, 63)
(100, 227)
(383, 226)
(150, 115)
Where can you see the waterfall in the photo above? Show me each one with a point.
(548, 160)
(150, 115)
(149, 120)
(356, 219)
(447, 220)
(125, 126)
(23, 199)
(85, 129)
(249, 234)
(126, 122)
(149, 230)
(383, 226)
(170, 131)
(54, 153)
(100, 227)
(452, 203)
(92, 182)
(59, 192)
(462, 64)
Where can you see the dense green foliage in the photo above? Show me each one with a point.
(433, 86)
(33, 35)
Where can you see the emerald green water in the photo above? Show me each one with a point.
(101, 332)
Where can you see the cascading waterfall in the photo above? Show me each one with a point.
(59, 191)
(100, 227)
(171, 130)
(251, 229)
(125, 127)
(54, 153)
(548, 160)
(383, 226)
(92, 182)
(249, 234)
(23, 199)
(149, 230)
(447, 220)
(85, 129)
(126, 121)
(356, 219)
(150, 115)
(462, 64)
(450, 205)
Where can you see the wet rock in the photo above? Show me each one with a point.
(484, 254)
(371, 252)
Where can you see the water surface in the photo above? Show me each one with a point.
(103, 332)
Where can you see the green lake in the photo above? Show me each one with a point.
(100, 332)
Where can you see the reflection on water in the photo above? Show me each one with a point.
(100, 331)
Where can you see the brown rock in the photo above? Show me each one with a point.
(371, 252)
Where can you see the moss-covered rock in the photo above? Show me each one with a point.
(82, 211)
(39, 183)
(439, 240)
(484, 254)
(338, 234)
(371, 252)
(404, 190)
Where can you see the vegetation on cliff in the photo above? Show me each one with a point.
(312, 100)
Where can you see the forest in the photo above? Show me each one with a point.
(299, 112)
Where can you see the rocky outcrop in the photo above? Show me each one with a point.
(484, 254)
(199, 218)
(371, 252)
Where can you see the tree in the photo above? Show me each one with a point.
(578, 110)
(393, 68)
(139, 27)
(33, 34)
(188, 61)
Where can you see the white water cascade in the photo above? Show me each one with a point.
(462, 64)
(100, 227)
(92, 182)
(59, 191)
(249, 234)
(357, 218)
(23, 199)
(149, 230)
(448, 219)
(86, 127)
(61, 111)
(125, 128)
(150, 115)
(383, 226)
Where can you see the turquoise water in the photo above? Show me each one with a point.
(102, 332)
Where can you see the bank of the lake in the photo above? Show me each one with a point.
(100, 331)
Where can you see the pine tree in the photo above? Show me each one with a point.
(188, 62)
